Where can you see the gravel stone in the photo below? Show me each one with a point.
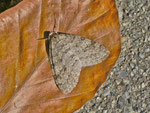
(120, 103)
(127, 90)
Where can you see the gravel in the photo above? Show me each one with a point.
(127, 90)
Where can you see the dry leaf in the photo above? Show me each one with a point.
(26, 82)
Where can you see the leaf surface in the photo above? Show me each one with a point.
(26, 82)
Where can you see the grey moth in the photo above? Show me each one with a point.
(68, 53)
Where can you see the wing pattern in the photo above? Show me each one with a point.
(68, 54)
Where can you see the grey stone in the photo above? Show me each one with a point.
(147, 50)
(121, 102)
(149, 37)
(106, 92)
(141, 55)
(128, 109)
(123, 74)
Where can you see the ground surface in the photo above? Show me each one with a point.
(128, 87)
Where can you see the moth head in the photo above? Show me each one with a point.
(47, 35)
(52, 35)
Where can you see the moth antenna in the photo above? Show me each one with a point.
(42, 39)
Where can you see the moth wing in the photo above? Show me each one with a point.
(88, 51)
(66, 66)
(91, 52)
(68, 54)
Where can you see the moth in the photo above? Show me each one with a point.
(68, 53)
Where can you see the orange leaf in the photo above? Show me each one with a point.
(26, 82)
